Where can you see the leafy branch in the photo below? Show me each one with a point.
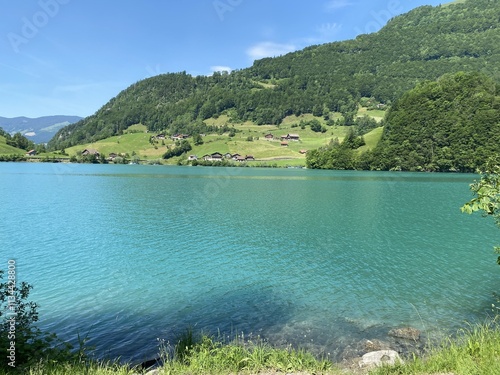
(487, 194)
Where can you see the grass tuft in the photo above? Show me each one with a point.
(208, 355)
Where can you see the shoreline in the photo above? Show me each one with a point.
(234, 165)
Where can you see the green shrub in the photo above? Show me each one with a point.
(24, 342)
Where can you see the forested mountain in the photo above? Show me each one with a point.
(38, 130)
(421, 45)
(452, 124)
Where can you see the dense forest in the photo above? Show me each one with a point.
(452, 124)
(421, 45)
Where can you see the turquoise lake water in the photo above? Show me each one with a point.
(129, 254)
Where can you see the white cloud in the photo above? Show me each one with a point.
(269, 49)
(332, 5)
(220, 68)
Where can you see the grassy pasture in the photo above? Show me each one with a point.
(135, 140)
(126, 143)
(371, 139)
(6, 149)
(377, 114)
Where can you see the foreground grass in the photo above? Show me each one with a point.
(475, 351)
(78, 369)
(212, 357)
(206, 356)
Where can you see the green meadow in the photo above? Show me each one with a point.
(136, 139)
(377, 114)
(371, 139)
(249, 139)
(6, 149)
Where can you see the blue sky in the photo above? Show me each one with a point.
(69, 57)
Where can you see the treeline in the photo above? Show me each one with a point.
(452, 124)
(13, 157)
(421, 45)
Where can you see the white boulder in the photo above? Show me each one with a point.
(379, 358)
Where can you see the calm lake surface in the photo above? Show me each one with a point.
(129, 254)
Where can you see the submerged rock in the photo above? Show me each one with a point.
(362, 347)
(373, 345)
(407, 333)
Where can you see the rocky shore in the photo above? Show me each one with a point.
(361, 357)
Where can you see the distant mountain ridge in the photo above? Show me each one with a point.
(40, 129)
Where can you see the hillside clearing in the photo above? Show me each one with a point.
(249, 139)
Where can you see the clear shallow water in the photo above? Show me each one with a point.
(320, 259)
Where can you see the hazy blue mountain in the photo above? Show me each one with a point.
(40, 129)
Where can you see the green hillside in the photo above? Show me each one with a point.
(321, 80)
(448, 125)
(6, 149)
(248, 139)
(452, 124)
